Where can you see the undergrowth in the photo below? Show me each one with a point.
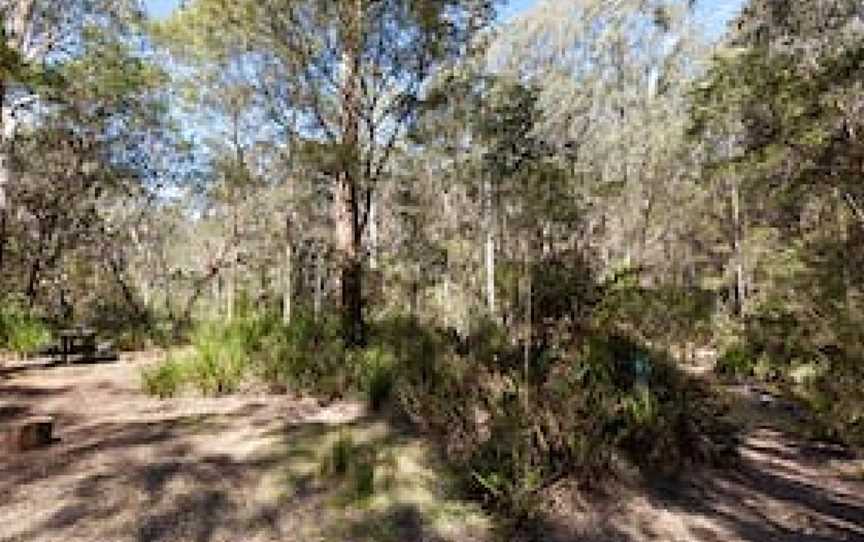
(21, 331)
(583, 409)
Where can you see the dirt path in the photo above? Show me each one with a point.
(785, 488)
(241, 469)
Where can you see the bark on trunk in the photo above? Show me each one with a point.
(348, 233)
(373, 235)
(351, 267)
(5, 170)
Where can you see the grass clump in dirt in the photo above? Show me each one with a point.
(223, 355)
(164, 380)
(361, 472)
(354, 465)
(21, 331)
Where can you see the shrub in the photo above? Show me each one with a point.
(736, 361)
(303, 354)
(221, 356)
(604, 400)
(352, 463)
(21, 331)
(375, 374)
(143, 335)
(164, 380)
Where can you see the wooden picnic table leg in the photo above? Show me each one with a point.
(88, 345)
(64, 347)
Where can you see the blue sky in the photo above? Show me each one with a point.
(161, 8)
(714, 13)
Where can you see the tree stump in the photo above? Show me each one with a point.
(27, 434)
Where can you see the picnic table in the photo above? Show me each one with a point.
(78, 340)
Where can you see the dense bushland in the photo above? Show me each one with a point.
(516, 420)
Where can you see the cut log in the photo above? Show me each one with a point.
(27, 434)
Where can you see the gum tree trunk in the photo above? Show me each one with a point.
(347, 202)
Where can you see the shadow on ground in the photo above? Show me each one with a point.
(129, 468)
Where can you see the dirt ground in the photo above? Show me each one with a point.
(127, 467)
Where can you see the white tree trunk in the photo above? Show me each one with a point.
(287, 283)
(231, 289)
(373, 234)
(738, 249)
(7, 133)
(490, 250)
(217, 298)
(319, 285)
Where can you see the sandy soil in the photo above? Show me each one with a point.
(127, 467)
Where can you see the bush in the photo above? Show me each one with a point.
(353, 465)
(602, 402)
(222, 355)
(304, 355)
(375, 374)
(164, 380)
(21, 331)
(737, 361)
(143, 335)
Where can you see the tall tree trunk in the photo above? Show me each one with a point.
(527, 295)
(349, 240)
(739, 297)
(231, 289)
(216, 302)
(287, 282)
(319, 284)
(373, 234)
(490, 249)
(5, 169)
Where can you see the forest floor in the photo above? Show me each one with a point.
(784, 487)
(127, 467)
(246, 468)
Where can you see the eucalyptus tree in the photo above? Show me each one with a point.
(38, 36)
(83, 156)
(349, 74)
(781, 106)
(612, 79)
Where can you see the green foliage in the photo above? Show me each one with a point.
(601, 400)
(341, 455)
(736, 361)
(164, 380)
(21, 331)
(580, 412)
(666, 315)
(375, 373)
(138, 336)
(303, 355)
(352, 463)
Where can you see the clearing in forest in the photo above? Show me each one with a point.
(128, 467)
